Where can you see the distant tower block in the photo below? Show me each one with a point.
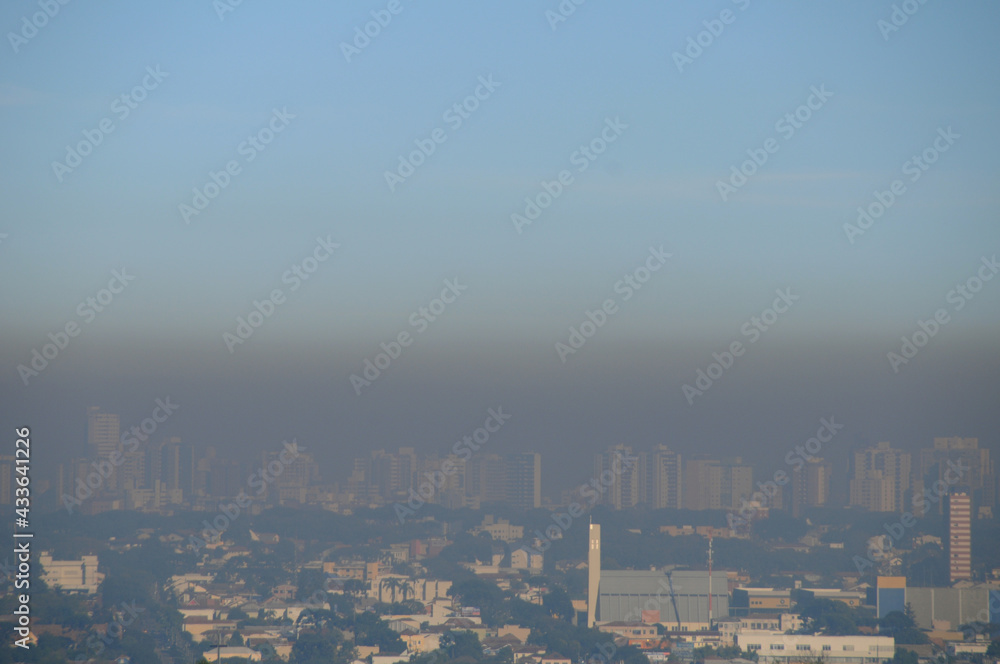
(959, 546)
(593, 573)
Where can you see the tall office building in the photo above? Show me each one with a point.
(132, 471)
(810, 486)
(619, 470)
(661, 474)
(103, 433)
(174, 463)
(593, 573)
(713, 484)
(959, 536)
(391, 473)
(523, 473)
(880, 481)
(485, 479)
(955, 462)
(696, 487)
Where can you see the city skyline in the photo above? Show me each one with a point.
(143, 470)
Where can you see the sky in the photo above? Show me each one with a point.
(675, 97)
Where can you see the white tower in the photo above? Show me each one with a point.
(593, 573)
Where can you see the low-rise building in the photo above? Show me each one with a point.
(786, 648)
(499, 529)
(760, 600)
(225, 652)
(78, 576)
(525, 558)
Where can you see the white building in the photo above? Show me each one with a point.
(523, 558)
(499, 529)
(785, 648)
(225, 652)
(71, 575)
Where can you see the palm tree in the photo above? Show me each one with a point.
(392, 583)
(407, 588)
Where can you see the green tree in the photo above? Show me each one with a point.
(904, 656)
(902, 627)
(558, 604)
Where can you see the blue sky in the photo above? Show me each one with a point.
(656, 185)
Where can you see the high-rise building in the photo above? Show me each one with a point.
(696, 488)
(390, 474)
(485, 478)
(959, 545)
(103, 433)
(174, 463)
(523, 473)
(880, 481)
(950, 463)
(661, 471)
(713, 484)
(619, 470)
(810, 486)
(103, 438)
(132, 471)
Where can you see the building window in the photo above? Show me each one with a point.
(753, 646)
(827, 648)
(848, 648)
(802, 646)
(777, 646)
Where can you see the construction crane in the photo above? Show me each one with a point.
(673, 599)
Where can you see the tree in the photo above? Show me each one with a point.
(904, 656)
(486, 596)
(354, 588)
(321, 647)
(309, 581)
(902, 627)
(558, 603)
(392, 584)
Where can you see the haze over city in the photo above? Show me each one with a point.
(721, 229)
